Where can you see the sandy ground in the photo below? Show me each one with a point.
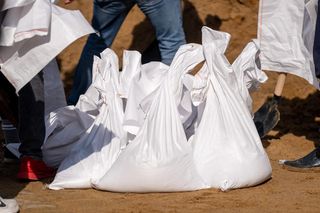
(296, 134)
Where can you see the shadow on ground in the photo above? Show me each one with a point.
(300, 117)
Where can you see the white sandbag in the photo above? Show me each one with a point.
(131, 67)
(64, 127)
(193, 100)
(68, 126)
(159, 159)
(91, 159)
(141, 89)
(24, 59)
(142, 92)
(286, 34)
(249, 74)
(227, 149)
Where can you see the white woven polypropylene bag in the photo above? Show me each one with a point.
(227, 149)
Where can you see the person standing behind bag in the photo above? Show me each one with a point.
(108, 15)
(27, 112)
(312, 159)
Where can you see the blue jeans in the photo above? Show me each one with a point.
(316, 47)
(108, 15)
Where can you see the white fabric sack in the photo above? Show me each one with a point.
(68, 127)
(249, 77)
(131, 67)
(159, 159)
(286, 32)
(65, 127)
(24, 59)
(91, 159)
(193, 100)
(227, 149)
(248, 72)
(140, 94)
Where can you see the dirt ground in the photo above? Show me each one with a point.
(296, 134)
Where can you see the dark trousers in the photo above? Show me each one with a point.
(316, 47)
(26, 112)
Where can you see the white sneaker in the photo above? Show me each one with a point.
(8, 206)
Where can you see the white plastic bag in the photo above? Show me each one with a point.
(91, 159)
(159, 159)
(227, 149)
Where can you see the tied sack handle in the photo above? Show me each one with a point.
(226, 76)
(130, 68)
(216, 43)
(219, 39)
(198, 85)
(187, 57)
(108, 69)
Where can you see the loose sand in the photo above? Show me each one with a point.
(296, 134)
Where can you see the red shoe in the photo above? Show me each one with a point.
(33, 169)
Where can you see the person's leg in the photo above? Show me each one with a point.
(27, 111)
(9, 116)
(316, 47)
(8, 101)
(32, 130)
(31, 117)
(165, 16)
(108, 15)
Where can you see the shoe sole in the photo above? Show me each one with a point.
(302, 170)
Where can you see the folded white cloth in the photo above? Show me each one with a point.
(286, 32)
(35, 36)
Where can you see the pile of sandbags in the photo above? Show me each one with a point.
(157, 128)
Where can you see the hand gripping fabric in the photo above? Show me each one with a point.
(227, 149)
(159, 159)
